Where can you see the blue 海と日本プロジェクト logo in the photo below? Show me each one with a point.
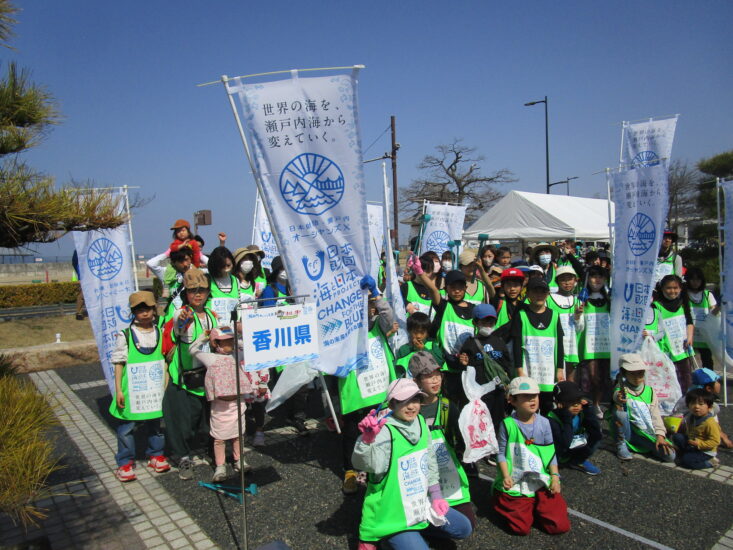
(104, 259)
(641, 234)
(437, 241)
(645, 158)
(312, 184)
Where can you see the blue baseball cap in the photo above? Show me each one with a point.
(482, 311)
(704, 376)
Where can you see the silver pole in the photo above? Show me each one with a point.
(132, 240)
(723, 297)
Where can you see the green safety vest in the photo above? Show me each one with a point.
(674, 326)
(479, 296)
(567, 320)
(453, 478)
(699, 312)
(502, 315)
(595, 341)
(223, 303)
(553, 283)
(453, 330)
(637, 409)
(248, 293)
(182, 358)
(653, 326)
(664, 267)
(423, 305)
(523, 458)
(580, 438)
(404, 360)
(142, 383)
(367, 386)
(399, 501)
(539, 351)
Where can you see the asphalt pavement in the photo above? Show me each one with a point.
(640, 504)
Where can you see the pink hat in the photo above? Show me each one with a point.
(403, 389)
(220, 333)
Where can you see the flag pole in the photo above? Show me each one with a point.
(132, 240)
(723, 297)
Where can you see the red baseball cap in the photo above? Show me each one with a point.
(512, 273)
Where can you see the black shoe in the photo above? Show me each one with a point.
(298, 424)
(185, 469)
(79, 317)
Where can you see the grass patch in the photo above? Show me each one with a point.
(42, 330)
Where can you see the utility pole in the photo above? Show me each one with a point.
(393, 156)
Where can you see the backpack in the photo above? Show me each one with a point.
(491, 367)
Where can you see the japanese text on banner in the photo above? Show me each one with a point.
(445, 224)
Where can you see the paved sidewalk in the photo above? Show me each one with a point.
(98, 511)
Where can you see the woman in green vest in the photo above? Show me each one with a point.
(224, 286)
(677, 323)
(595, 339)
(185, 409)
(546, 256)
(250, 273)
(702, 303)
(365, 388)
(140, 380)
(403, 492)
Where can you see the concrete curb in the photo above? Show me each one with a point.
(52, 356)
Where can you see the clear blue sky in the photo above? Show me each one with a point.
(125, 75)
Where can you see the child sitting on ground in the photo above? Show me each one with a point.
(636, 419)
(140, 379)
(709, 380)
(527, 486)
(698, 438)
(221, 390)
(576, 431)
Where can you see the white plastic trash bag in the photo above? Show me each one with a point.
(292, 378)
(712, 334)
(660, 375)
(475, 422)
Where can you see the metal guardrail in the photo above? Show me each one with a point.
(10, 314)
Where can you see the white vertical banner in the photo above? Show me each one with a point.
(727, 268)
(375, 215)
(445, 224)
(307, 151)
(262, 234)
(645, 143)
(640, 196)
(106, 278)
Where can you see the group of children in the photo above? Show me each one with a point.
(543, 334)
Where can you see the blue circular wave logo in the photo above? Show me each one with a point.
(645, 158)
(641, 234)
(104, 259)
(437, 241)
(312, 184)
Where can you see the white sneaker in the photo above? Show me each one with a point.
(246, 466)
(220, 474)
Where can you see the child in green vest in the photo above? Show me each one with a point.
(702, 303)
(185, 409)
(365, 388)
(140, 380)
(668, 261)
(527, 485)
(576, 431)
(441, 416)
(537, 342)
(478, 288)
(224, 286)
(634, 417)
(403, 494)
(180, 261)
(512, 284)
(570, 310)
(418, 333)
(677, 323)
(414, 293)
(546, 256)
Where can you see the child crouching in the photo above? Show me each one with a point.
(527, 486)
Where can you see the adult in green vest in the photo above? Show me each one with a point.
(249, 271)
(635, 420)
(452, 326)
(527, 486)
(140, 379)
(546, 256)
(185, 409)
(570, 310)
(702, 303)
(365, 388)
(537, 342)
(668, 261)
(479, 289)
(677, 323)
(403, 482)
(418, 334)
(224, 286)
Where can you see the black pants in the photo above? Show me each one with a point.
(705, 357)
(350, 433)
(254, 417)
(453, 389)
(186, 419)
(690, 457)
(496, 403)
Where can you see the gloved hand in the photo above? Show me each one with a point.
(367, 282)
(437, 502)
(414, 264)
(370, 427)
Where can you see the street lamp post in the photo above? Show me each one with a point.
(565, 181)
(547, 142)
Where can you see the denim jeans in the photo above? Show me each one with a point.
(126, 439)
(458, 527)
(690, 457)
(638, 441)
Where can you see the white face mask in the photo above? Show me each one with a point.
(436, 267)
(282, 276)
(246, 266)
(447, 265)
(485, 331)
(545, 259)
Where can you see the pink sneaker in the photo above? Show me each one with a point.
(126, 472)
(159, 464)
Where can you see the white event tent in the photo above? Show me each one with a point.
(541, 217)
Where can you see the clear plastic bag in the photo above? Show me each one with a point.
(293, 378)
(475, 422)
(660, 375)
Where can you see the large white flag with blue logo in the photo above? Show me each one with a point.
(307, 150)
(645, 143)
(107, 280)
(263, 236)
(375, 215)
(640, 196)
(445, 224)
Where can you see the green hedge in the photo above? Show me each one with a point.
(38, 294)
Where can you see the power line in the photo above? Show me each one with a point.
(376, 140)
